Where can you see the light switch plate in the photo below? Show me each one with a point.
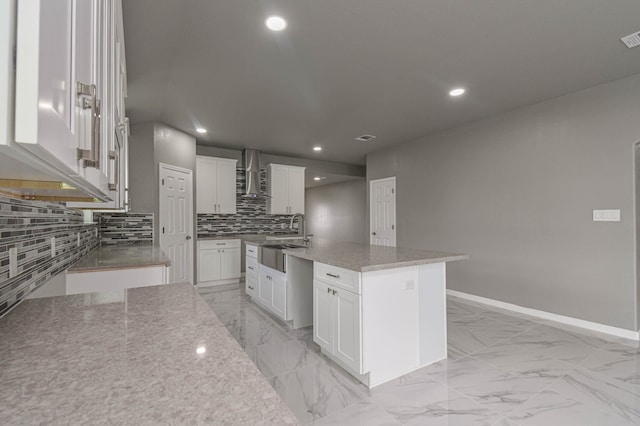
(606, 215)
(78, 239)
(53, 246)
(13, 262)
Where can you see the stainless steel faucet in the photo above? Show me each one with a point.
(302, 226)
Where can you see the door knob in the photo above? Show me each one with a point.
(188, 237)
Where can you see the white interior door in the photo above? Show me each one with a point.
(383, 212)
(176, 221)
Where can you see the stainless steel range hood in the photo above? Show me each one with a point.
(252, 174)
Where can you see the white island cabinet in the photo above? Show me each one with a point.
(379, 325)
(287, 295)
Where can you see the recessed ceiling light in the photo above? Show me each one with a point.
(201, 130)
(200, 350)
(457, 92)
(317, 148)
(364, 138)
(275, 23)
(318, 178)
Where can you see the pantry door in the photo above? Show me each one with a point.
(176, 221)
(383, 212)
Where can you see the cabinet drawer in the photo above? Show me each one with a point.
(252, 268)
(216, 244)
(339, 277)
(251, 251)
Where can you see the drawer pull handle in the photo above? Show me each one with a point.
(221, 244)
(333, 275)
(250, 287)
(250, 267)
(329, 290)
(334, 292)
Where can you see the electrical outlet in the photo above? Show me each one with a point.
(13, 262)
(606, 215)
(53, 246)
(410, 285)
(78, 239)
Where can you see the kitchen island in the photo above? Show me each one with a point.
(151, 355)
(378, 312)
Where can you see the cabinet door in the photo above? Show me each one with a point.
(226, 187)
(278, 190)
(230, 263)
(322, 318)
(279, 303)
(93, 132)
(296, 190)
(265, 288)
(45, 92)
(346, 331)
(208, 265)
(206, 175)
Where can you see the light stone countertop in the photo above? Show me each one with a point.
(249, 238)
(123, 256)
(129, 357)
(365, 257)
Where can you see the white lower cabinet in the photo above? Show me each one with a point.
(218, 262)
(272, 291)
(337, 325)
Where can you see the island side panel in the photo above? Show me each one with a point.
(433, 312)
(390, 323)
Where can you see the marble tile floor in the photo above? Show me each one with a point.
(504, 369)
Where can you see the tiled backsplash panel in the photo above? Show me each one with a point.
(251, 216)
(130, 228)
(29, 227)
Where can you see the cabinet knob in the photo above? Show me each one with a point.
(373, 233)
(334, 292)
(188, 237)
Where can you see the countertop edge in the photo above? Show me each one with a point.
(369, 268)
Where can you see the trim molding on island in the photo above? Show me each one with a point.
(588, 325)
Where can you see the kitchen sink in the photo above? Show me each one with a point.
(271, 255)
(283, 246)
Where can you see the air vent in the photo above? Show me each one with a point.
(632, 40)
(365, 138)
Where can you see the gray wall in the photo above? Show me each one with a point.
(338, 211)
(150, 145)
(517, 191)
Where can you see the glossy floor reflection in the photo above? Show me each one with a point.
(504, 369)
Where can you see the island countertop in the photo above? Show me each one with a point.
(123, 256)
(150, 355)
(365, 257)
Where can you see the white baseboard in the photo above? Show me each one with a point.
(588, 325)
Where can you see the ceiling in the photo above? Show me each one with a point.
(345, 68)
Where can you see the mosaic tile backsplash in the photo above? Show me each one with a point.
(129, 228)
(251, 216)
(29, 227)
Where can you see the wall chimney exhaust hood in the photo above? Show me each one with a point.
(252, 174)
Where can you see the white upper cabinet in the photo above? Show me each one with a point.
(215, 185)
(45, 90)
(58, 116)
(285, 185)
(111, 76)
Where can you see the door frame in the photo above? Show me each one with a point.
(371, 209)
(189, 213)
